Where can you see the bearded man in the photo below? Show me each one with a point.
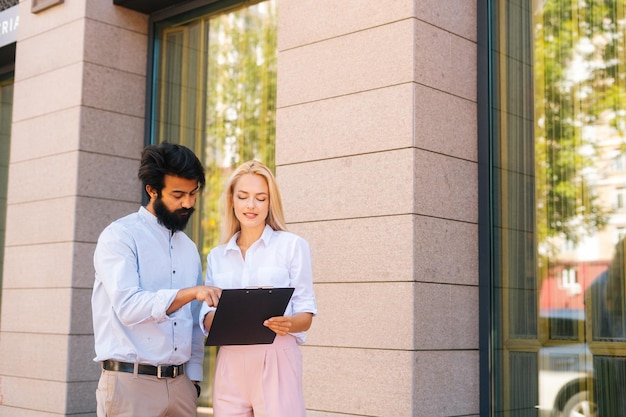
(147, 294)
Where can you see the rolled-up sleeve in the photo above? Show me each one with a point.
(204, 308)
(301, 276)
(115, 261)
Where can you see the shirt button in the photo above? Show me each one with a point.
(174, 271)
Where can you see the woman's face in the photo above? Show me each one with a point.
(251, 201)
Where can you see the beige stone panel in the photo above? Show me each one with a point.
(7, 411)
(40, 356)
(316, 413)
(59, 265)
(303, 22)
(81, 398)
(108, 176)
(45, 221)
(446, 383)
(81, 319)
(51, 50)
(446, 251)
(83, 271)
(111, 133)
(366, 60)
(359, 186)
(371, 249)
(370, 315)
(446, 187)
(115, 47)
(114, 90)
(446, 317)
(444, 61)
(45, 135)
(95, 214)
(370, 121)
(455, 16)
(33, 24)
(43, 310)
(82, 352)
(107, 12)
(47, 93)
(23, 395)
(445, 123)
(43, 178)
(364, 382)
(54, 266)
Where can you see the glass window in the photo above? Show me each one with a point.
(557, 148)
(6, 111)
(214, 91)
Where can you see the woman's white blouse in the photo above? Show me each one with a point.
(277, 259)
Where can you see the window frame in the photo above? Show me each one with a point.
(484, 123)
(180, 12)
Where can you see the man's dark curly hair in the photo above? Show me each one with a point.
(169, 159)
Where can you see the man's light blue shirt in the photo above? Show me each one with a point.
(140, 266)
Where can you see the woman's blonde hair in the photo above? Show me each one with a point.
(275, 217)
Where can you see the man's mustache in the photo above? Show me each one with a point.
(184, 211)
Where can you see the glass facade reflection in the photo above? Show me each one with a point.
(214, 91)
(558, 208)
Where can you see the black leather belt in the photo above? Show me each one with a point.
(161, 371)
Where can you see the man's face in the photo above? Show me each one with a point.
(174, 206)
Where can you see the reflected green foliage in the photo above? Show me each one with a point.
(216, 93)
(241, 100)
(558, 90)
(578, 50)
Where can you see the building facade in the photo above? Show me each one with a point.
(376, 109)
(442, 157)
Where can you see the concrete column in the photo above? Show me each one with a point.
(77, 132)
(376, 156)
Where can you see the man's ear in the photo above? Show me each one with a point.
(152, 192)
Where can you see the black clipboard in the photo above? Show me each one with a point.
(240, 315)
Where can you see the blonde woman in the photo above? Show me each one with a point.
(256, 250)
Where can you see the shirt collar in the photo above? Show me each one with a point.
(266, 236)
(152, 220)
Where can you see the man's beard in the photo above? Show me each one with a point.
(173, 220)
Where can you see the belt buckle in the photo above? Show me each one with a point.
(160, 371)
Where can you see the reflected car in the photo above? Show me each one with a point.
(565, 381)
(565, 368)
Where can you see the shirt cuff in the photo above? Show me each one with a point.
(164, 299)
(204, 310)
(193, 371)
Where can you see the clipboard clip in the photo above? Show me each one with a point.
(262, 287)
